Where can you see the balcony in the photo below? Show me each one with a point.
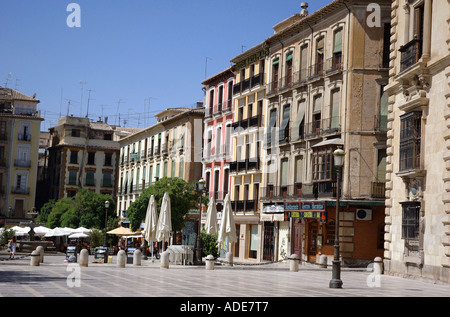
(20, 190)
(24, 137)
(22, 163)
(244, 205)
(286, 83)
(410, 53)
(248, 83)
(250, 164)
(313, 130)
(378, 190)
(334, 64)
(330, 126)
(254, 121)
(316, 71)
(301, 76)
(165, 149)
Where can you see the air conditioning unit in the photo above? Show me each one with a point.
(363, 214)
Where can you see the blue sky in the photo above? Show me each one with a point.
(149, 55)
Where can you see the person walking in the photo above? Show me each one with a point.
(12, 247)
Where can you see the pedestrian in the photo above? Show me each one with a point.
(12, 247)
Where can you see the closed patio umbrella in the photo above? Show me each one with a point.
(211, 217)
(151, 222)
(165, 220)
(227, 226)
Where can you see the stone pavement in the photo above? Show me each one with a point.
(262, 282)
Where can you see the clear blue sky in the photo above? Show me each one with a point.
(127, 50)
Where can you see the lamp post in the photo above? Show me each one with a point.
(198, 250)
(106, 219)
(336, 281)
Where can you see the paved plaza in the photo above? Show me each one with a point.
(55, 278)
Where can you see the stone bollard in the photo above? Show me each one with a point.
(210, 262)
(40, 249)
(121, 258)
(164, 260)
(84, 257)
(377, 265)
(323, 261)
(35, 258)
(137, 256)
(229, 259)
(293, 262)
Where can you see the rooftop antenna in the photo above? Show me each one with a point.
(242, 48)
(117, 111)
(89, 98)
(15, 85)
(7, 79)
(145, 115)
(82, 83)
(69, 101)
(206, 64)
(60, 103)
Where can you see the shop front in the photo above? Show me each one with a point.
(313, 227)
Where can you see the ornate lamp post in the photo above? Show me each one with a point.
(106, 220)
(336, 281)
(198, 249)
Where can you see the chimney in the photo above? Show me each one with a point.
(199, 104)
(304, 6)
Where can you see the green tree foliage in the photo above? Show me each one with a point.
(182, 199)
(86, 209)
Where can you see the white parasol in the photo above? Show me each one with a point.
(211, 217)
(165, 220)
(227, 226)
(151, 222)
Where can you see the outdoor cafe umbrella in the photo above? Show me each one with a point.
(77, 235)
(151, 222)
(227, 226)
(57, 232)
(20, 231)
(211, 217)
(122, 231)
(165, 220)
(41, 230)
(82, 230)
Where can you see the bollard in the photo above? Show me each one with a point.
(84, 257)
(293, 262)
(229, 259)
(121, 258)
(377, 265)
(35, 258)
(164, 260)
(137, 255)
(210, 262)
(40, 249)
(323, 261)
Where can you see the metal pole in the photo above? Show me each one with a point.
(336, 281)
(106, 221)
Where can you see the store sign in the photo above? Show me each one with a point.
(306, 209)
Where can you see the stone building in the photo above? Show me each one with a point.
(417, 238)
(325, 77)
(82, 154)
(19, 143)
(172, 147)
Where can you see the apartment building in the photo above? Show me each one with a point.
(218, 122)
(326, 73)
(19, 143)
(417, 220)
(249, 99)
(82, 154)
(172, 147)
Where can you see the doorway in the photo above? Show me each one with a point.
(297, 239)
(18, 208)
(313, 229)
(268, 247)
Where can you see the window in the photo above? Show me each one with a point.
(72, 177)
(336, 62)
(411, 51)
(76, 133)
(107, 179)
(3, 130)
(74, 157)
(303, 63)
(330, 233)
(284, 128)
(410, 136)
(318, 68)
(272, 125)
(107, 136)
(410, 220)
(275, 67)
(108, 159)
(90, 181)
(323, 165)
(288, 80)
(91, 158)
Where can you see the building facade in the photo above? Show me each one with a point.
(19, 143)
(172, 147)
(82, 154)
(417, 182)
(249, 104)
(218, 122)
(326, 72)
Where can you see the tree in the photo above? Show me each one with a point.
(86, 209)
(182, 199)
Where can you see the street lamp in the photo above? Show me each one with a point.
(198, 251)
(106, 219)
(336, 281)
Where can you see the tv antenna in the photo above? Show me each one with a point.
(69, 102)
(89, 98)
(117, 111)
(82, 83)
